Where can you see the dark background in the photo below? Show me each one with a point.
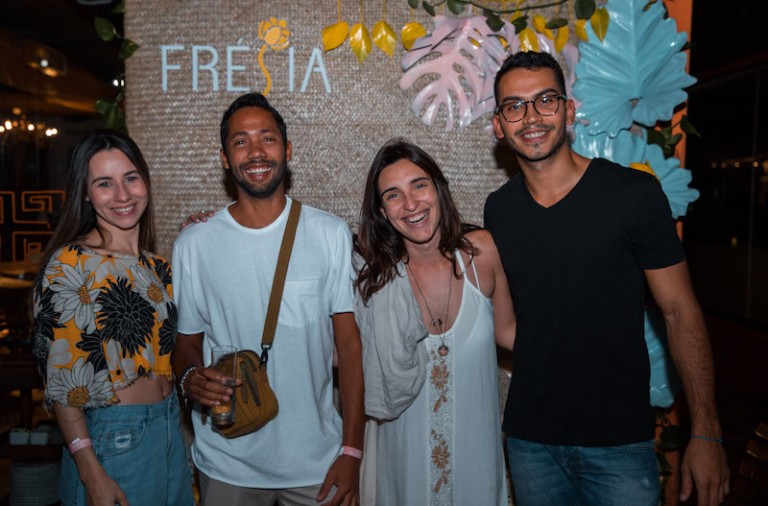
(726, 230)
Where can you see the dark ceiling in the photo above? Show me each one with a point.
(63, 32)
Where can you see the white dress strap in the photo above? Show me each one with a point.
(464, 269)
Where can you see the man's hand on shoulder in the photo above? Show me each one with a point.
(196, 218)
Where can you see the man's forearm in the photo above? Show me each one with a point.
(691, 352)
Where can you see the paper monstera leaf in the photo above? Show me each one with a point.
(457, 67)
(636, 74)
(627, 148)
(459, 61)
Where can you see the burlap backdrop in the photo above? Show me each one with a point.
(335, 135)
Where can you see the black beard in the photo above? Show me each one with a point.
(559, 143)
(268, 190)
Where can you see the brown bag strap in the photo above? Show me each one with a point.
(276, 296)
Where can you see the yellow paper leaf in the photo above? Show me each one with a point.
(643, 167)
(528, 40)
(561, 39)
(384, 37)
(599, 22)
(360, 41)
(581, 29)
(335, 35)
(515, 15)
(540, 24)
(410, 33)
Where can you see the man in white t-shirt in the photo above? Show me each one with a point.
(223, 273)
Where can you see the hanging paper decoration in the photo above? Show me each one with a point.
(410, 33)
(384, 37)
(360, 41)
(637, 74)
(599, 22)
(334, 35)
(460, 59)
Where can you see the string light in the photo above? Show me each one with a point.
(19, 128)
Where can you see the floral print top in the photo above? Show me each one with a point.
(101, 322)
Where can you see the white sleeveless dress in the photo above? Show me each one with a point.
(446, 448)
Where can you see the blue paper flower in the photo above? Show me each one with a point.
(627, 148)
(636, 74)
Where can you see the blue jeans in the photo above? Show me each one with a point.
(555, 475)
(142, 448)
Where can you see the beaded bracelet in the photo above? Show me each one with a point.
(705, 438)
(184, 375)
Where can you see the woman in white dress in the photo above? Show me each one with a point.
(433, 304)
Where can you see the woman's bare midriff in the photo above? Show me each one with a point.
(145, 391)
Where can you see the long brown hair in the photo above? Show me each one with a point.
(77, 215)
(380, 245)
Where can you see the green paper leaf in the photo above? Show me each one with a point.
(520, 24)
(556, 23)
(104, 29)
(493, 20)
(656, 137)
(584, 8)
(413, 4)
(119, 8)
(101, 105)
(669, 149)
(429, 8)
(455, 7)
(687, 127)
(112, 115)
(127, 49)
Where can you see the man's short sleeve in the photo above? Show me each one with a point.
(654, 237)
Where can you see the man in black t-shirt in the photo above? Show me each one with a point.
(579, 240)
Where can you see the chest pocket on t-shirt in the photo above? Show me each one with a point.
(302, 302)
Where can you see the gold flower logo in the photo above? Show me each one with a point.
(276, 36)
(275, 33)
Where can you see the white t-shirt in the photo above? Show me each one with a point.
(222, 278)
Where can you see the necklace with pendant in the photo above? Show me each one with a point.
(442, 350)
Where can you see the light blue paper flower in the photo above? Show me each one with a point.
(636, 74)
(627, 148)
(665, 383)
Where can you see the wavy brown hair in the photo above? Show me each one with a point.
(77, 215)
(380, 245)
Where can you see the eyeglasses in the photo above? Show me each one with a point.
(515, 110)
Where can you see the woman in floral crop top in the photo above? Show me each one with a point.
(105, 325)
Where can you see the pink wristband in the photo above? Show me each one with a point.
(78, 444)
(352, 452)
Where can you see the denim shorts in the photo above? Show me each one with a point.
(142, 448)
(556, 475)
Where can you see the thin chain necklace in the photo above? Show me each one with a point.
(442, 350)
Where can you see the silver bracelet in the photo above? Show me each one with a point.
(184, 375)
